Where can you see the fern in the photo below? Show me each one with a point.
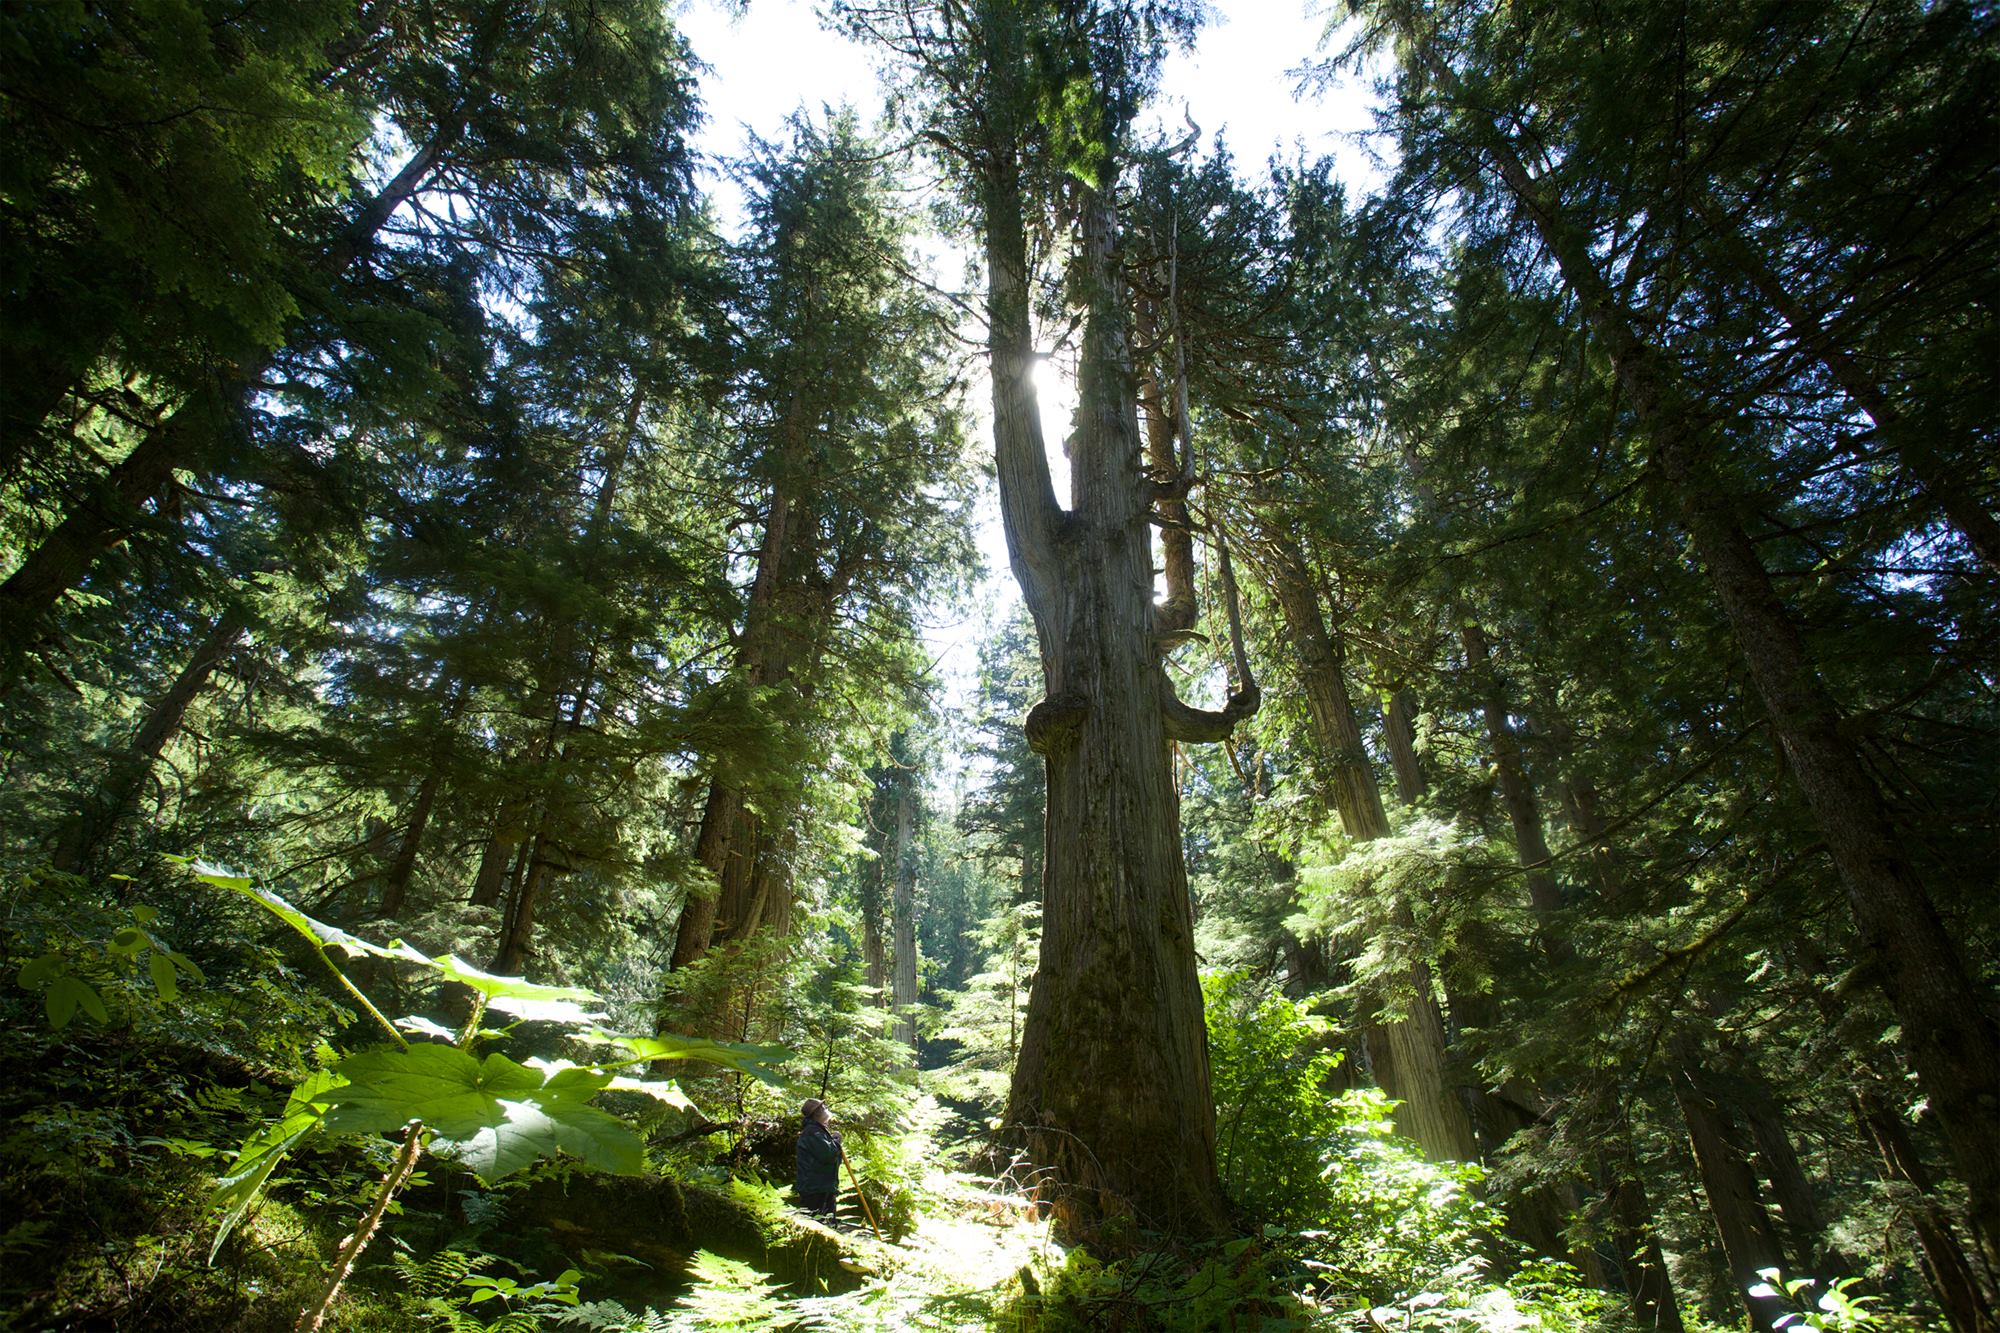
(611, 1317)
(431, 1278)
(729, 1295)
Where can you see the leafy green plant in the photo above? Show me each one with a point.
(1834, 1308)
(455, 1295)
(74, 975)
(492, 1113)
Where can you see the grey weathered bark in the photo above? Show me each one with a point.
(91, 826)
(1953, 1041)
(1110, 1093)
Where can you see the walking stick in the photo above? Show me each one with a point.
(866, 1211)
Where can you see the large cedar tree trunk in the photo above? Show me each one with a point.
(1110, 1093)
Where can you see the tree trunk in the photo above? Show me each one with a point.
(1642, 1267)
(517, 927)
(396, 884)
(113, 507)
(905, 915)
(99, 520)
(1749, 1241)
(1111, 1091)
(722, 847)
(1517, 794)
(495, 858)
(1399, 727)
(1409, 1054)
(1966, 1297)
(1960, 506)
(1804, 1224)
(90, 828)
(1947, 1023)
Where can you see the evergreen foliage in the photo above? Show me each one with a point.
(1484, 818)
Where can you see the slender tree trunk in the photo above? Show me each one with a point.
(1409, 1055)
(1960, 506)
(1804, 1224)
(91, 827)
(396, 884)
(1963, 1293)
(1749, 1241)
(1953, 1041)
(1399, 729)
(1517, 794)
(906, 914)
(517, 927)
(113, 507)
(1642, 1267)
(873, 953)
(491, 878)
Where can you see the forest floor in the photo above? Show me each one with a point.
(964, 1255)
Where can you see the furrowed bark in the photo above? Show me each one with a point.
(1110, 1093)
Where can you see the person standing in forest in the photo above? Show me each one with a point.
(818, 1184)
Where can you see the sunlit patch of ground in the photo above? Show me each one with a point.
(953, 1272)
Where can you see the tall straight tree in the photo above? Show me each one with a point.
(1483, 83)
(856, 478)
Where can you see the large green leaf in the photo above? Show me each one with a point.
(318, 932)
(499, 990)
(493, 1114)
(262, 1151)
(661, 1090)
(741, 1056)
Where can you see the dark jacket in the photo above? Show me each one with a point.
(819, 1160)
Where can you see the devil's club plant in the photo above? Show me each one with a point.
(430, 1084)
